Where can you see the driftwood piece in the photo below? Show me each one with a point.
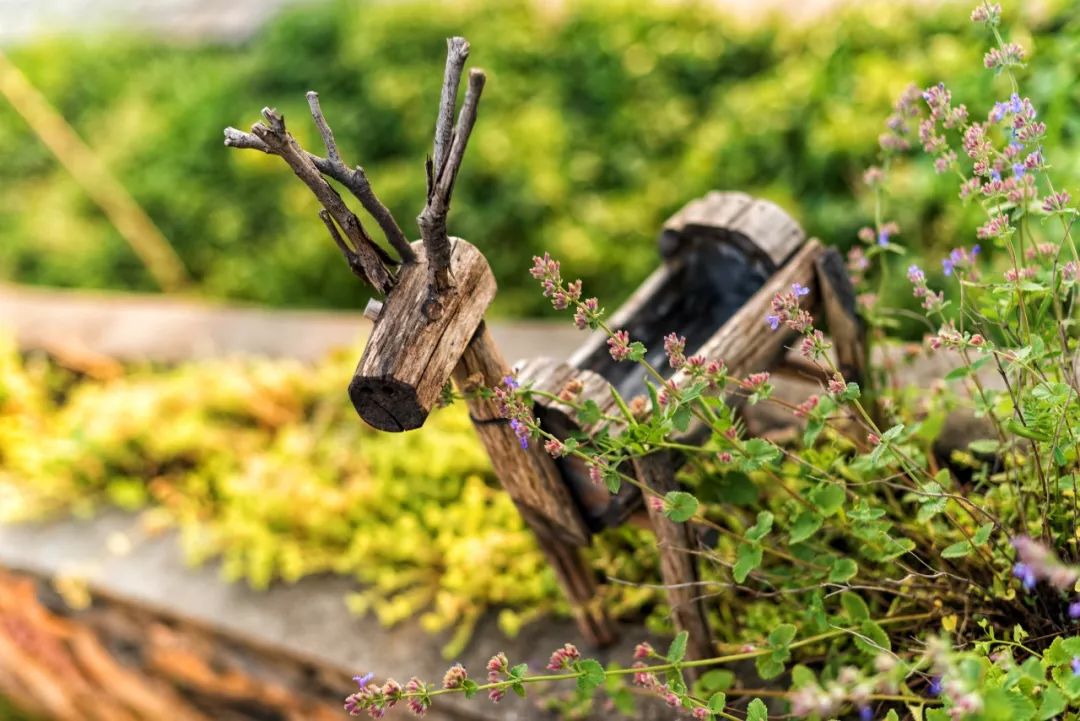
(410, 355)
(678, 568)
(118, 661)
(532, 480)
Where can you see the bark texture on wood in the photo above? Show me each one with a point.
(678, 566)
(410, 356)
(532, 480)
(758, 227)
(115, 661)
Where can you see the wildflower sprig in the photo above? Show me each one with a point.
(567, 664)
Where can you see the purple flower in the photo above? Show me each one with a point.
(799, 289)
(1018, 170)
(362, 681)
(995, 174)
(511, 382)
(975, 250)
(915, 274)
(1075, 665)
(1074, 610)
(773, 321)
(883, 237)
(935, 686)
(521, 431)
(866, 714)
(1025, 573)
(947, 265)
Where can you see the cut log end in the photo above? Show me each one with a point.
(387, 404)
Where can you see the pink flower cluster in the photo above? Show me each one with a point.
(497, 666)
(787, 310)
(587, 313)
(375, 699)
(563, 657)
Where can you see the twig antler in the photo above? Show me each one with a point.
(366, 259)
(442, 168)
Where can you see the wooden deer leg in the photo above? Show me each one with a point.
(678, 567)
(533, 481)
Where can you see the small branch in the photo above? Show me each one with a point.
(324, 129)
(457, 51)
(370, 259)
(432, 219)
(239, 139)
(357, 182)
(350, 256)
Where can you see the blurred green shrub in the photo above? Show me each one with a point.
(599, 120)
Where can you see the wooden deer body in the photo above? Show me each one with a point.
(725, 257)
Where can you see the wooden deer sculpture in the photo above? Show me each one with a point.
(430, 327)
(725, 256)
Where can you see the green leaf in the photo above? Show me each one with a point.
(519, 671)
(757, 711)
(677, 650)
(802, 676)
(956, 550)
(747, 558)
(717, 702)
(805, 525)
(768, 667)
(589, 413)
(637, 351)
(875, 638)
(854, 607)
(717, 679)
(680, 506)
(759, 453)
(843, 569)
(828, 499)
(592, 675)
(982, 535)
(851, 392)
(518, 688)
(681, 417)
(470, 687)
(782, 635)
(1053, 703)
(760, 529)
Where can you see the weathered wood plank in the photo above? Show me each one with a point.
(410, 356)
(841, 318)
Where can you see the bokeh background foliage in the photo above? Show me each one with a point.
(598, 121)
